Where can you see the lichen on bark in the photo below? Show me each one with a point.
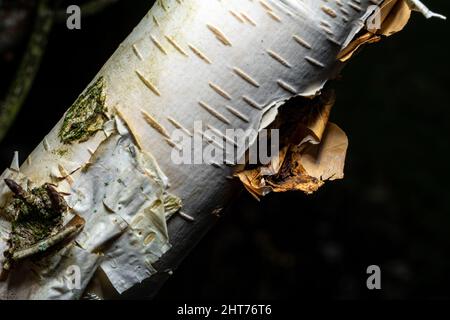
(35, 215)
(86, 116)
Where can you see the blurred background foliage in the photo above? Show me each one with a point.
(392, 208)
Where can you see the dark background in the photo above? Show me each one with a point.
(392, 208)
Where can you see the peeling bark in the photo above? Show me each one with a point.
(229, 64)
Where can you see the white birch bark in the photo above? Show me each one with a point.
(229, 64)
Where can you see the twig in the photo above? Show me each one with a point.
(28, 68)
(69, 231)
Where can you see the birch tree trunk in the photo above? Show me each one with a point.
(229, 64)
